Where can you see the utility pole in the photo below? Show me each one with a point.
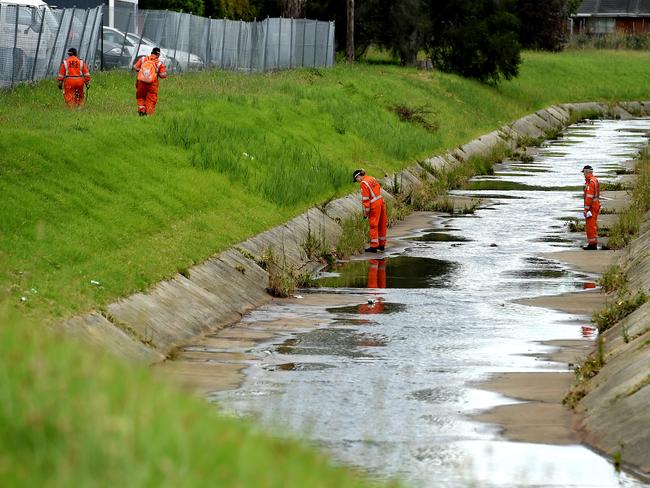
(350, 37)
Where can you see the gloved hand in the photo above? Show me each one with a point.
(87, 83)
(588, 214)
(60, 85)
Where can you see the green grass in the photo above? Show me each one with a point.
(624, 305)
(77, 418)
(106, 196)
(629, 221)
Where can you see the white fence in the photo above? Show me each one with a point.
(34, 41)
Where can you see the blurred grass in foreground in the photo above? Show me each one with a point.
(73, 417)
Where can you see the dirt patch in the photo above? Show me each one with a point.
(581, 302)
(587, 261)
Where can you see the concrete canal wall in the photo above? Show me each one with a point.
(616, 411)
(146, 327)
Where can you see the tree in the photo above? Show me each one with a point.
(543, 24)
(294, 9)
(194, 6)
(401, 26)
(349, 44)
(477, 39)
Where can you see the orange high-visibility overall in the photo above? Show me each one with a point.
(74, 74)
(592, 204)
(146, 94)
(374, 208)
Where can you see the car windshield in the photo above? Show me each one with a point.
(136, 39)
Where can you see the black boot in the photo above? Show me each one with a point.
(590, 247)
(371, 249)
(381, 248)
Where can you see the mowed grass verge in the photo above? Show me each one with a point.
(71, 417)
(99, 203)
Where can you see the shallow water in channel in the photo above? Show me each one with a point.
(386, 384)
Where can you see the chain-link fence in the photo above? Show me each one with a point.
(189, 42)
(34, 40)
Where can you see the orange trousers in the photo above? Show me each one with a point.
(73, 92)
(146, 94)
(591, 224)
(378, 218)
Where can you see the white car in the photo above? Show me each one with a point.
(173, 59)
(37, 27)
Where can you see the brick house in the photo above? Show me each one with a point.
(607, 16)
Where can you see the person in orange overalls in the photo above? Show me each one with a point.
(149, 69)
(374, 209)
(591, 208)
(73, 76)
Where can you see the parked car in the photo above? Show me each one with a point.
(174, 59)
(115, 56)
(37, 27)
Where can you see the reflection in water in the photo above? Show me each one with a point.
(372, 306)
(399, 272)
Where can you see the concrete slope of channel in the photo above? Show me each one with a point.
(380, 366)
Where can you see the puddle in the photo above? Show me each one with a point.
(514, 185)
(371, 306)
(298, 367)
(331, 342)
(439, 237)
(398, 272)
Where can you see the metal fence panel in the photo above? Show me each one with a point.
(34, 41)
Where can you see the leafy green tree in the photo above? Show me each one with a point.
(194, 6)
(477, 39)
(400, 26)
(543, 24)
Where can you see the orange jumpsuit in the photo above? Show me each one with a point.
(146, 94)
(374, 208)
(592, 204)
(74, 74)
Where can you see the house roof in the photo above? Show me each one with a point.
(614, 8)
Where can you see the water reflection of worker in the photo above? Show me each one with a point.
(591, 208)
(377, 273)
(372, 306)
(376, 279)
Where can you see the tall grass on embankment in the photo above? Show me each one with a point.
(68, 419)
(99, 203)
(629, 221)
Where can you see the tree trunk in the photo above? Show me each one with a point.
(350, 35)
(293, 9)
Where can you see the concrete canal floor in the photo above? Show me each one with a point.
(442, 362)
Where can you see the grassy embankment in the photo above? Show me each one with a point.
(105, 196)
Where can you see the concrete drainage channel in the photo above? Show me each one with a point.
(146, 327)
